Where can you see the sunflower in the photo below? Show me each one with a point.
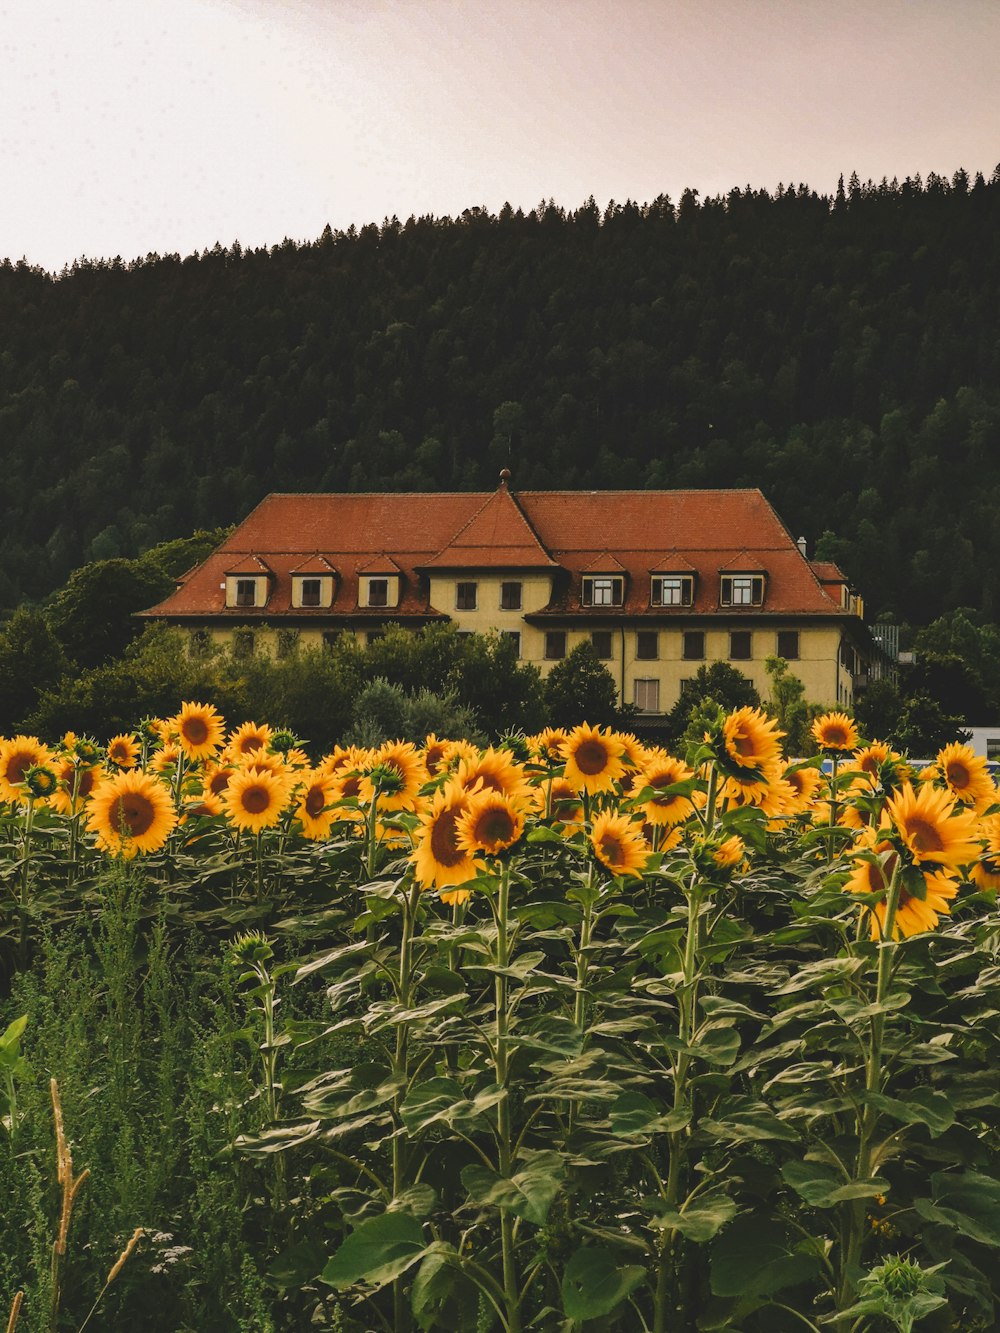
(663, 770)
(86, 778)
(835, 732)
(764, 788)
(131, 812)
(547, 746)
(492, 824)
(164, 758)
(593, 758)
(199, 729)
(558, 800)
(317, 792)
(495, 770)
(932, 832)
(805, 784)
(248, 737)
(40, 782)
(986, 871)
(752, 740)
(618, 844)
(634, 754)
(438, 860)
(913, 915)
(123, 751)
(16, 755)
(965, 774)
(728, 853)
(434, 753)
(395, 775)
(255, 799)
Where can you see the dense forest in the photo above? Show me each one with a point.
(842, 353)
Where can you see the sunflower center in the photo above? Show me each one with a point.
(958, 776)
(255, 800)
(834, 734)
(591, 757)
(249, 743)
(494, 827)
(16, 767)
(195, 730)
(132, 814)
(443, 838)
(86, 784)
(219, 782)
(743, 743)
(350, 786)
(923, 836)
(612, 851)
(315, 801)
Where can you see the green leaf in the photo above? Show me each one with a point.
(377, 1252)
(922, 1106)
(699, 1220)
(434, 1284)
(528, 1193)
(13, 1033)
(969, 1203)
(634, 1113)
(822, 1187)
(753, 1257)
(593, 1284)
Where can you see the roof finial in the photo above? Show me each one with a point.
(504, 477)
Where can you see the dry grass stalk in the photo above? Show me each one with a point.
(15, 1312)
(70, 1189)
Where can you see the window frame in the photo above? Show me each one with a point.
(783, 634)
(684, 586)
(613, 584)
(246, 592)
(314, 596)
(381, 582)
(244, 644)
(750, 584)
(644, 639)
(464, 590)
(688, 635)
(551, 635)
(511, 600)
(649, 685)
(601, 633)
(735, 634)
(514, 634)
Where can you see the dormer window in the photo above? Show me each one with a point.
(742, 590)
(603, 590)
(246, 592)
(312, 590)
(378, 590)
(672, 590)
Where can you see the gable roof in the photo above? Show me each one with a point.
(314, 564)
(563, 533)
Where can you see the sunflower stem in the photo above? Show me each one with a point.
(511, 1285)
(25, 881)
(400, 1072)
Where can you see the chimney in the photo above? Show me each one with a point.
(801, 544)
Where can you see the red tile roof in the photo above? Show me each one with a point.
(566, 532)
(314, 564)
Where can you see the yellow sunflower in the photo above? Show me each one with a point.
(317, 792)
(434, 754)
(16, 755)
(764, 788)
(131, 812)
(835, 732)
(255, 799)
(546, 747)
(965, 774)
(395, 775)
(164, 758)
(492, 824)
(248, 737)
(663, 770)
(618, 844)
(495, 770)
(199, 730)
(87, 777)
(913, 915)
(752, 739)
(634, 754)
(123, 751)
(805, 784)
(728, 853)
(593, 758)
(558, 800)
(438, 860)
(933, 833)
(986, 871)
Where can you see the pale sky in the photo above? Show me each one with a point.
(131, 126)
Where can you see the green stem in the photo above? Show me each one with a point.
(504, 1134)
(400, 1063)
(25, 868)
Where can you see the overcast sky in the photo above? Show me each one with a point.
(130, 126)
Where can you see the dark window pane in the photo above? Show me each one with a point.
(739, 645)
(694, 645)
(788, 644)
(555, 644)
(601, 639)
(510, 596)
(647, 645)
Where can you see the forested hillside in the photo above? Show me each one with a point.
(841, 353)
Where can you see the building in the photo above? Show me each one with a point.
(660, 582)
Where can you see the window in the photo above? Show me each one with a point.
(246, 592)
(555, 644)
(602, 590)
(374, 635)
(465, 596)
(510, 596)
(685, 682)
(287, 643)
(201, 643)
(515, 636)
(742, 590)
(646, 695)
(311, 590)
(330, 637)
(694, 645)
(647, 645)
(378, 592)
(243, 643)
(672, 590)
(788, 644)
(740, 645)
(601, 641)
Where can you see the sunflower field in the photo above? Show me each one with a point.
(563, 1034)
